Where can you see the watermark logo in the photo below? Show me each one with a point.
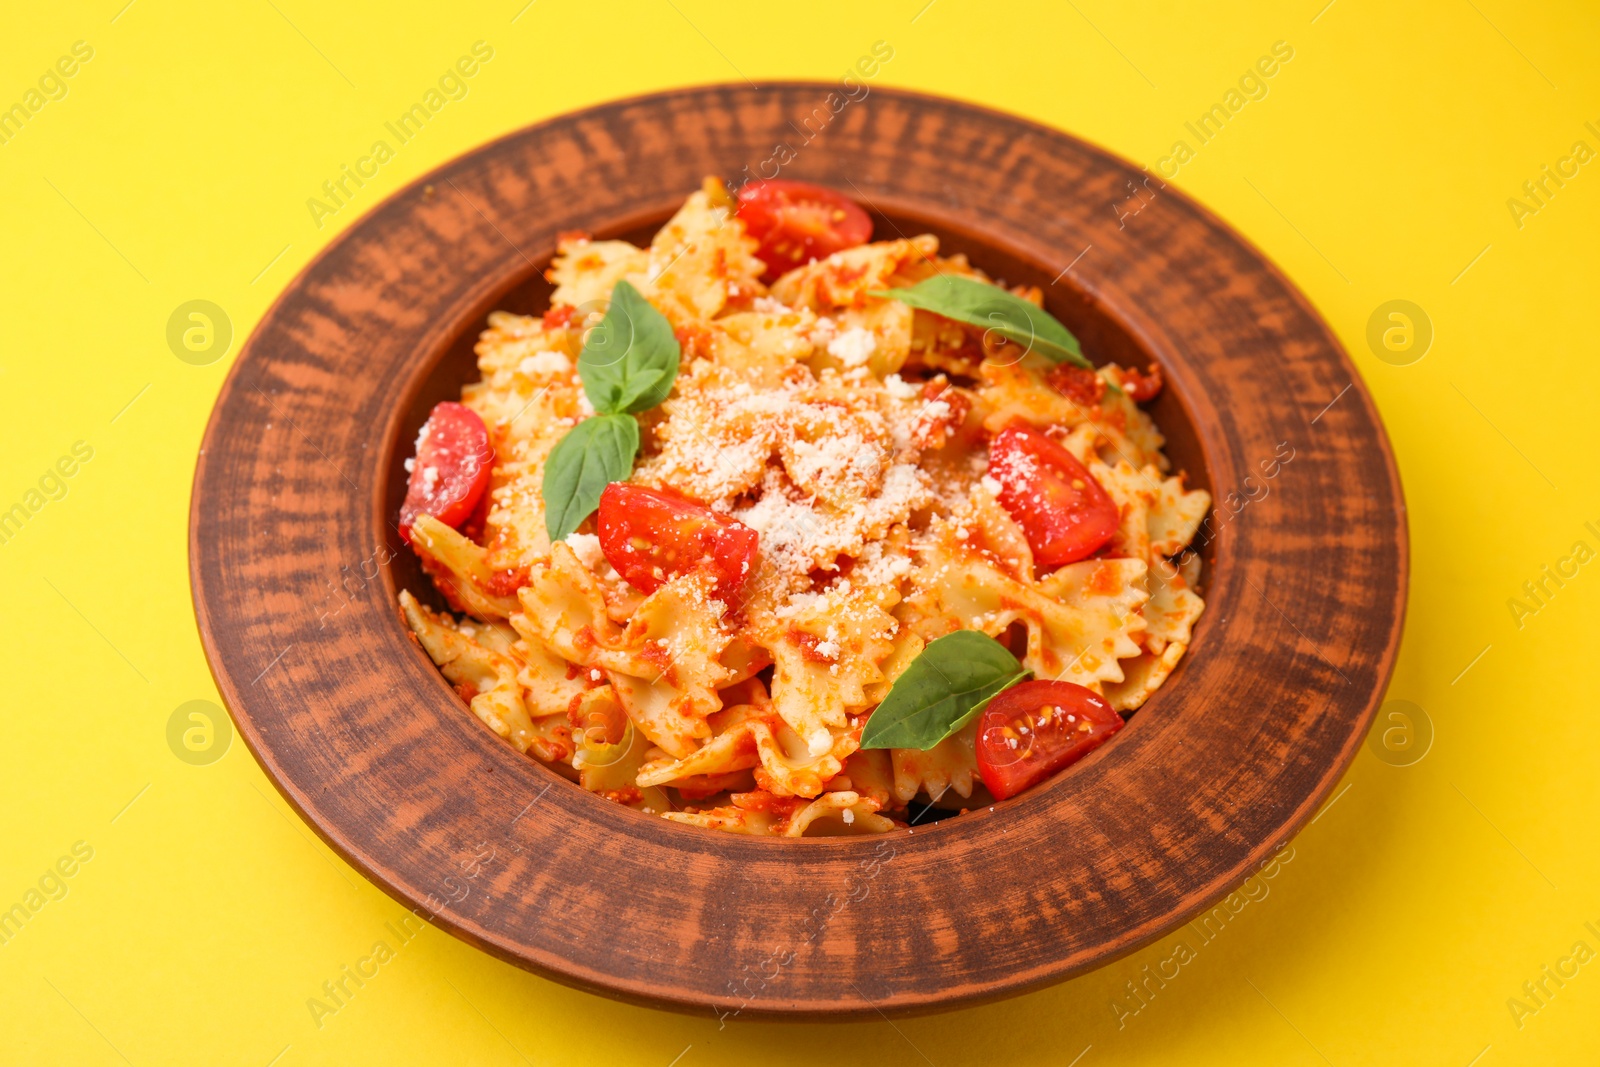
(51, 86)
(339, 191)
(51, 886)
(1537, 592)
(1538, 191)
(1402, 735)
(1142, 989)
(199, 332)
(853, 88)
(344, 591)
(199, 732)
(1252, 86)
(1231, 505)
(52, 486)
(1399, 332)
(1538, 992)
(753, 979)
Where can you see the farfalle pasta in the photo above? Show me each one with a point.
(818, 498)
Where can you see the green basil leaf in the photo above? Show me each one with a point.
(992, 308)
(592, 455)
(952, 680)
(630, 359)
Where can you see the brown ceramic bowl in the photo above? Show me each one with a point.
(296, 565)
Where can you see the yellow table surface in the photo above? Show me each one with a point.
(1385, 161)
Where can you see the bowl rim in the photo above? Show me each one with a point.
(646, 991)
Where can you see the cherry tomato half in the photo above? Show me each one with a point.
(451, 469)
(1060, 507)
(650, 536)
(797, 223)
(1032, 730)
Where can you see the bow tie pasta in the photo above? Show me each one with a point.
(811, 504)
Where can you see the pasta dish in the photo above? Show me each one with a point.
(773, 528)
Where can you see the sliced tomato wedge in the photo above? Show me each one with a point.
(1032, 730)
(798, 223)
(650, 536)
(1062, 510)
(451, 468)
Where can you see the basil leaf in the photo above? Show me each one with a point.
(952, 680)
(992, 308)
(592, 455)
(630, 359)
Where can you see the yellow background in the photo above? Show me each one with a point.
(1378, 167)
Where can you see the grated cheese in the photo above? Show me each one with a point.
(545, 362)
(587, 548)
(901, 389)
(853, 347)
(715, 442)
(800, 602)
(798, 537)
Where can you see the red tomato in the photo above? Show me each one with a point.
(451, 468)
(650, 536)
(1060, 507)
(1083, 387)
(559, 317)
(798, 223)
(1033, 730)
(1141, 387)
